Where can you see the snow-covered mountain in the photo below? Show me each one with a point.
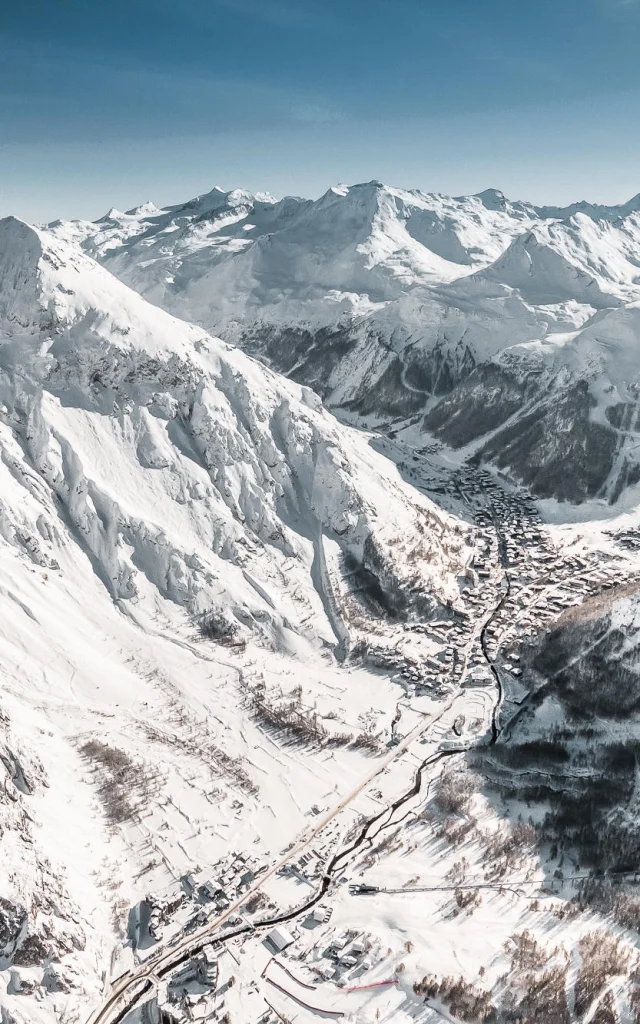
(386, 300)
(245, 464)
(217, 599)
(173, 518)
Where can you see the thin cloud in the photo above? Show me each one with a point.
(138, 101)
(317, 113)
(619, 10)
(282, 14)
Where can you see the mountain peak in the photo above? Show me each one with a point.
(492, 199)
(144, 209)
(112, 214)
(218, 199)
(544, 275)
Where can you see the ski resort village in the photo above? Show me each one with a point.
(372, 904)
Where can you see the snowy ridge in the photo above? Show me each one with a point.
(384, 299)
(145, 384)
(360, 242)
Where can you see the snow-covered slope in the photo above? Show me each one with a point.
(106, 382)
(560, 414)
(535, 268)
(382, 298)
(172, 519)
(591, 262)
(190, 546)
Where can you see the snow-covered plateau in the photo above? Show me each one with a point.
(320, 612)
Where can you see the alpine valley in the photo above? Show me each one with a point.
(320, 612)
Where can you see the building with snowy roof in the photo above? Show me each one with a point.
(277, 940)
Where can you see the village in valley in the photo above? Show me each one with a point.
(302, 933)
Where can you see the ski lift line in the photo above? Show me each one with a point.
(373, 890)
(267, 966)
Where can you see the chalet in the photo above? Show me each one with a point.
(210, 889)
(478, 677)
(322, 914)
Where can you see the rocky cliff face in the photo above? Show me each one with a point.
(541, 435)
(562, 418)
(110, 389)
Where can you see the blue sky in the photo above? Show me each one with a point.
(111, 103)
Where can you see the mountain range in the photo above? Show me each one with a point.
(504, 329)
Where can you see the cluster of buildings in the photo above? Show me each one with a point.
(202, 896)
(347, 955)
(541, 584)
(565, 582)
(307, 868)
(629, 539)
(159, 910)
(190, 993)
(230, 878)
